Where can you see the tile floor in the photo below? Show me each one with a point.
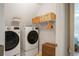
(76, 54)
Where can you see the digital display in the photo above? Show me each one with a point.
(16, 28)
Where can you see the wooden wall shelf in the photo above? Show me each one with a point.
(36, 20)
(44, 18)
(48, 17)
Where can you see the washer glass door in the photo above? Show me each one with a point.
(32, 37)
(11, 40)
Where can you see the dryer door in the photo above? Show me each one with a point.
(32, 37)
(11, 40)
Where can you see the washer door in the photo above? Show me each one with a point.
(11, 40)
(32, 37)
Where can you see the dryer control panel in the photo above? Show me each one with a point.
(16, 28)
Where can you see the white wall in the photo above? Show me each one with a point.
(60, 31)
(47, 35)
(2, 25)
(47, 7)
(24, 11)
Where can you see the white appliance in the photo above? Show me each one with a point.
(30, 41)
(12, 41)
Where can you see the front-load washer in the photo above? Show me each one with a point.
(12, 41)
(30, 41)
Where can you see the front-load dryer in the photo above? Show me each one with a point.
(12, 41)
(30, 41)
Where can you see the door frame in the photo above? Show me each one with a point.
(70, 28)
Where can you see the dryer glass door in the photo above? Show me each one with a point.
(32, 37)
(11, 40)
